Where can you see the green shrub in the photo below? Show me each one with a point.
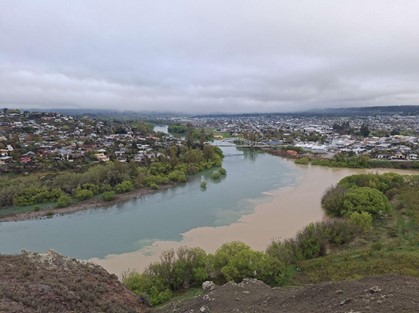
(313, 240)
(282, 250)
(177, 176)
(215, 175)
(235, 260)
(309, 243)
(332, 200)
(108, 196)
(181, 269)
(382, 182)
(365, 199)
(363, 220)
(34, 195)
(222, 171)
(125, 186)
(63, 201)
(149, 286)
(204, 184)
(154, 186)
(83, 194)
(302, 161)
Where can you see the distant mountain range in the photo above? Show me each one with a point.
(405, 110)
(411, 110)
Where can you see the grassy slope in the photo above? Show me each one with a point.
(392, 246)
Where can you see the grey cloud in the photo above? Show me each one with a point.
(203, 56)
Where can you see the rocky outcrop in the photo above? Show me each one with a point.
(387, 293)
(50, 282)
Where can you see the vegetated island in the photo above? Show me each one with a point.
(126, 159)
(372, 229)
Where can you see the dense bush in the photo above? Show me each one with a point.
(177, 271)
(181, 269)
(361, 193)
(314, 240)
(382, 182)
(120, 177)
(177, 176)
(222, 171)
(365, 199)
(150, 287)
(83, 194)
(35, 195)
(302, 161)
(363, 220)
(236, 260)
(125, 186)
(63, 201)
(108, 196)
(332, 200)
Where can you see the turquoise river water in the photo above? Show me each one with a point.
(165, 215)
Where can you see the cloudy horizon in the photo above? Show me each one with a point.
(209, 55)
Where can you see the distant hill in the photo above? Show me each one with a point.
(410, 110)
(405, 110)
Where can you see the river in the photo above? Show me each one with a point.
(163, 216)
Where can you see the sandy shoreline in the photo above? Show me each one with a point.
(286, 211)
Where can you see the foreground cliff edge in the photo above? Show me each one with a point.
(50, 282)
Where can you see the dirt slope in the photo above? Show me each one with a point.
(52, 283)
(387, 293)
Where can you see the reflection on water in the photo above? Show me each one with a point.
(163, 216)
(250, 154)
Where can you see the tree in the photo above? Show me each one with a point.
(364, 131)
(190, 141)
(235, 261)
(63, 201)
(108, 196)
(202, 138)
(332, 200)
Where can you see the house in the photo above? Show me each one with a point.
(101, 157)
(398, 156)
(25, 160)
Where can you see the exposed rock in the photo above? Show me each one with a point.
(50, 282)
(208, 285)
(401, 295)
(375, 289)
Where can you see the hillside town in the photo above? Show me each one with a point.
(35, 140)
(40, 140)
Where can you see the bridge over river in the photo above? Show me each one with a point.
(227, 145)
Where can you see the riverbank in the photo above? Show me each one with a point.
(345, 161)
(281, 215)
(86, 205)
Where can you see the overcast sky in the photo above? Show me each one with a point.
(208, 55)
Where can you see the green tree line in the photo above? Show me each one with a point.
(108, 179)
